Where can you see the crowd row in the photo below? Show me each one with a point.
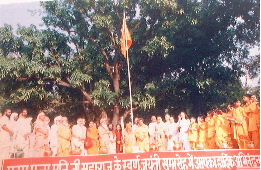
(235, 127)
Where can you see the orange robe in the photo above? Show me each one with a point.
(193, 135)
(211, 133)
(253, 114)
(93, 134)
(240, 128)
(202, 134)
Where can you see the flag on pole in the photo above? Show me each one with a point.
(126, 41)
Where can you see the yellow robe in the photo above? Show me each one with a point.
(142, 138)
(193, 133)
(64, 137)
(129, 141)
(240, 128)
(202, 134)
(93, 134)
(222, 131)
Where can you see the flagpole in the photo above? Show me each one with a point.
(128, 63)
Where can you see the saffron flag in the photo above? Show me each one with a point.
(126, 41)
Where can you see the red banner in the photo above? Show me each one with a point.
(181, 160)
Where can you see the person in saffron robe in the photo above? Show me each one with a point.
(210, 120)
(202, 133)
(93, 135)
(193, 133)
(104, 137)
(222, 138)
(119, 139)
(64, 137)
(253, 120)
(240, 131)
(257, 114)
(142, 136)
(129, 140)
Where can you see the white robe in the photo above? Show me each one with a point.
(79, 131)
(5, 138)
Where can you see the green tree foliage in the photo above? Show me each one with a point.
(186, 55)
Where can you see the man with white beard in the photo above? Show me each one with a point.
(54, 135)
(24, 129)
(5, 134)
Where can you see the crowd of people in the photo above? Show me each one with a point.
(236, 126)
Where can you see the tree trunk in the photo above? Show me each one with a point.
(116, 86)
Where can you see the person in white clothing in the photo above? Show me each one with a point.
(24, 129)
(79, 136)
(152, 132)
(13, 126)
(184, 124)
(5, 134)
(173, 130)
(160, 135)
(54, 135)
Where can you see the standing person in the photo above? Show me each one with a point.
(112, 141)
(41, 132)
(13, 127)
(5, 134)
(193, 133)
(24, 129)
(160, 135)
(129, 139)
(210, 120)
(202, 133)
(64, 137)
(119, 139)
(54, 135)
(167, 142)
(184, 124)
(240, 132)
(78, 137)
(253, 120)
(104, 136)
(93, 135)
(173, 132)
(142, 136)
(152, 132)
(221, 126)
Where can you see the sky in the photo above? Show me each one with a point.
(27, 12)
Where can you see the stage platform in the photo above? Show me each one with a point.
(234, 159)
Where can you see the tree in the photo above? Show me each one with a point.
(186, 54)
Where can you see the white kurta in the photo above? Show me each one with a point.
(24, 128)
(79, 131)
(5, 138)
(183, 133)
(54, 139)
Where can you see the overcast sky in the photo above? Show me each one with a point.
(27, 12)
